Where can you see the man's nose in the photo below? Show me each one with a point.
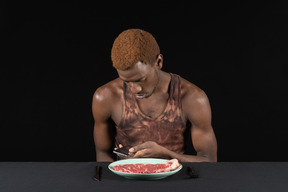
(135, 88)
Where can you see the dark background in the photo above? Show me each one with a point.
(56, 53)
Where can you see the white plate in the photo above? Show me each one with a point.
(147, 176)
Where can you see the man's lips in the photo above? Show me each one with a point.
(140, 96)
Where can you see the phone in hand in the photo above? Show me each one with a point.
(123, 151)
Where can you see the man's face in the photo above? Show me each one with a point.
(142, 79)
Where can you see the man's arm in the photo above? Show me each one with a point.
(196, 107)
(103, 125)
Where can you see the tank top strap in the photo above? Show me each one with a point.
(124, 90)
(129, 102)
(175, 89)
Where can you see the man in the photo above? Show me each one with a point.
(150, 107)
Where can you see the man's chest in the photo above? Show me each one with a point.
(153, 107)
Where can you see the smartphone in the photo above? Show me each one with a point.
(123, 151)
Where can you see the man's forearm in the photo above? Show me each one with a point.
(189, 158)
(104, 157)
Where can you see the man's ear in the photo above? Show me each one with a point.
(159, 61)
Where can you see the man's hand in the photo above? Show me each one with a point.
(123, 151)
(149, 149)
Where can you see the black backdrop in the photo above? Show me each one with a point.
(56, 53)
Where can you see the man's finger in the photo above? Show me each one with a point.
(119, 146)
(141, 153)
(138, 148)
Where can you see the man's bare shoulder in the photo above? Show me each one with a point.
(195, 104)
(191, 91)
(109, 91)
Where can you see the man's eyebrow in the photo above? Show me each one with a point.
(133, 80)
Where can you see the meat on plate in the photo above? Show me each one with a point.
(165, 166)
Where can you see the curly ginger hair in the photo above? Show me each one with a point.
(132, 46)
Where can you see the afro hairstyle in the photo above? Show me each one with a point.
(132, 46)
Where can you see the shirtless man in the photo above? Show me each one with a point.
(148, 108)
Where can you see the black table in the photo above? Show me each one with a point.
(77, 176)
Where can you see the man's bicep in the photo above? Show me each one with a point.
(202, 134)
(197, 109)
(103, 139)
(103, 126)
(103, 135)
(204, 142)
